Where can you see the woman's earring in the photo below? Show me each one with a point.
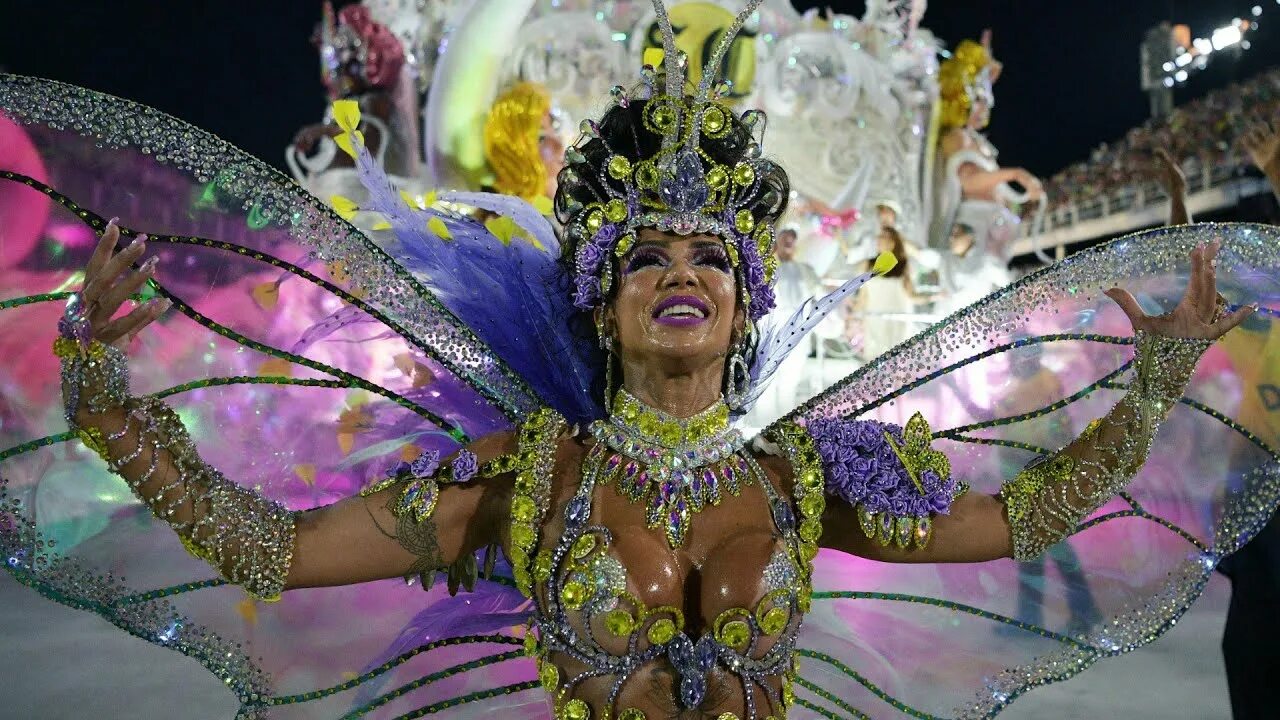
(606, 344)
(738, 382)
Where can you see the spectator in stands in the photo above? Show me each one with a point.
(1205, 132)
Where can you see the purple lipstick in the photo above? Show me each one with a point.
(681, 311)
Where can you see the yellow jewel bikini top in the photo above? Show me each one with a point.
(576, 578)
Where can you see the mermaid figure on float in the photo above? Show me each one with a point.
(568, 400)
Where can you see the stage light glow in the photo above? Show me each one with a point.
(1183, 60)
(1181, 76)
(1168, 82)
(1203, 46)
(1225, 37)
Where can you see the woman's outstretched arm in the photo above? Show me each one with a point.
(248, 539)
(1044, 503)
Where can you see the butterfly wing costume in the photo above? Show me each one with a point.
(308, 361)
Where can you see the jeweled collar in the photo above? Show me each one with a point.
(653, 427)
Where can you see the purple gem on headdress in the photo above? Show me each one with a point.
(684, 187)
(783, 516)
(667, 489)
(630, 470)
(576, 512)
(704, 653)
(693, 688)
(680, 652)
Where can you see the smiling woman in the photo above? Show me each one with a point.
(660, 564)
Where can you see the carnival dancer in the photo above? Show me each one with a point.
(570, 400)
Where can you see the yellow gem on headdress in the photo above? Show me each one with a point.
(624, 245)
(583, 546)
(774, 621)
(713, 121)
(523, 536)
(661, 632)
(663, 117)
(549, 675)
(770, 267)
(743, 174)
(810, 530)
(595, 220)
(574, 595)
(619, 167)
(717, 177)
(576, 710)
(744, 221)
(736, 634)
(632, 714)
(522, 508)
(542, 565)
(732, 250)
(646, 175)
(616, 211)
(620, 622)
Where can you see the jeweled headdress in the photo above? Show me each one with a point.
(673, 175)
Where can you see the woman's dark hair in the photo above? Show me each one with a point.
(899, 253)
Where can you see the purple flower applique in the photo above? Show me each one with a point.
(586, 292)
(464, 466)
(425, 464)
(589, 258)
(862, 468)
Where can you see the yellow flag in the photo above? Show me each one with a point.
(347, 114)
(884, 263)
(502, 228)
(343, 141)
(437, 227)
(344, 206)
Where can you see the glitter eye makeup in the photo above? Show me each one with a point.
(646, 257)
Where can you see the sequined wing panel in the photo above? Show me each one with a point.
(304, 361)
(1020, 374)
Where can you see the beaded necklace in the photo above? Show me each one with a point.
(676, 466)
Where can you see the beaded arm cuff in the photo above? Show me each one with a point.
(1047, 500)
(891, 475)
(247, 538)
(418, 487)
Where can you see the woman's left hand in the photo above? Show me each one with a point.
(1198, 315)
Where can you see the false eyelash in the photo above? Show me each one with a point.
(644, 258)
(715, 258)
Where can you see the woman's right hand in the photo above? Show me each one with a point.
(109, 282)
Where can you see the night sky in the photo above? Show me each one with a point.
(247, 71)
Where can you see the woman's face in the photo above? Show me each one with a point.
(884, 242)
(677, 300)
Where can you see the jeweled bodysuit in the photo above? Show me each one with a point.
(632, 624)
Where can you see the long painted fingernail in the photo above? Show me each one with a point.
(113, 222)
(150, 264)
(161, 304)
